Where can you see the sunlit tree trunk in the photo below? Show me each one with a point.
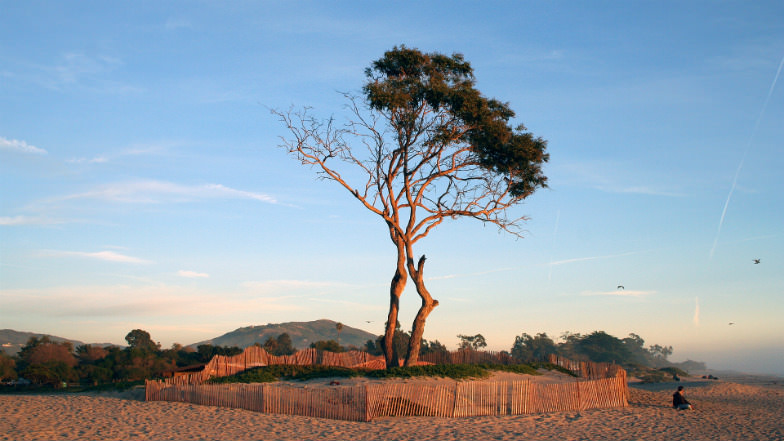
(398, 284)
(428, 304)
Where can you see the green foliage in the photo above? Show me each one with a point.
(405, 81)
(52, 373)
(598, 346)
(527, 369)
(280, 345)
(674, 371)
(206, 352)
(268, 374)
(327, 345)
(7, 367)
(473, 342)
(141, 341)
(552, 367)
(455, 371)
(654, 376)
(432, 347)
(372, 348)
(602, 347)
(527, 348)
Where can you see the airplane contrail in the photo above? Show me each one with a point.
(745, 153)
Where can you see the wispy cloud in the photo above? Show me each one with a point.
(617, 293)
(108, 256)
(583, 259)
(616, 177)
(18, 146)
(294, 286)
(192, 274)
(95, 160)
(162, 192)
(17, 221)
(117, 301)
(478, 273)
(75, 69)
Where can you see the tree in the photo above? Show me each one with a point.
(432, 347)
(603, 347)
(327, 345)
(434, 149)
(659, 354)
(339, 327)
(472, 342)
(271, 346)
(528, 348)
(285, 346)
(43, 350)
(140, 340)
(90, 353)
(7, 367)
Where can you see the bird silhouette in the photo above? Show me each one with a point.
(732, 323)
(756, 261)
(620, 287)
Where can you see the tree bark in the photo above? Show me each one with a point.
(428, 304)
(396, 287)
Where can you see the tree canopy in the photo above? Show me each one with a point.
(431, 148)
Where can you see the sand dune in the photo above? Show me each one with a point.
(724, 411)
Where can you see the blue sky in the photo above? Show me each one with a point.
(142, 184)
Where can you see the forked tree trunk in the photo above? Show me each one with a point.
(396, 287)
(428, 304)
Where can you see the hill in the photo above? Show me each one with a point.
(12, 341)
(302, 334)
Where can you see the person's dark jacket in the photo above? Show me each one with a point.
(678, 399)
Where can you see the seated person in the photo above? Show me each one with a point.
(679, 401)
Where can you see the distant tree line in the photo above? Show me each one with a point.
(43, 361)
(598, 346)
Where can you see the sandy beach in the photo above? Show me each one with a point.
(724, 411)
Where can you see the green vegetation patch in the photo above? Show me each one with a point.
(455, 371)
(269, 374)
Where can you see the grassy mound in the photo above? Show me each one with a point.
(268, 374)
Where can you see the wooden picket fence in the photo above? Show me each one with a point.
(587, 369)
(366, 402)
(599, 385)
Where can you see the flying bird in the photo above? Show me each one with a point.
(620, 287)
(756, 261)
(732, 323)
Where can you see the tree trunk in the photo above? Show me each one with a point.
(396, 287)
(428, 304)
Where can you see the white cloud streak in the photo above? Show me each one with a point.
(152, 192)
(17, 221)
(96, 160)
(192, 274)
(743, 158)
(617, 293)
(583, 259)
(143, 302)
(18, 146)
(268, 287)
(108, 256)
